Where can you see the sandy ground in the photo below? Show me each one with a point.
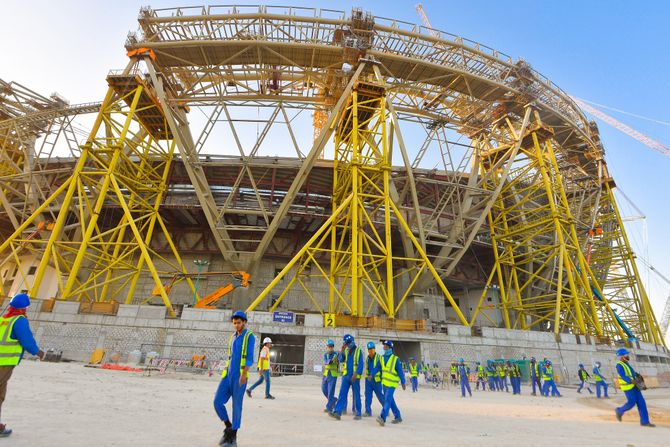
(70, 405)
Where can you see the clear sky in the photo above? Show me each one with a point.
(611, 52)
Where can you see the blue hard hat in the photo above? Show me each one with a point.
(330, 343)
(532, 359)
(371, 345)
(461, 360)
(412, 358)
(621, 352)
(20, 301)
(389, 343)
(348, 339)
(581, 365)
(239, 314)
(548, 362)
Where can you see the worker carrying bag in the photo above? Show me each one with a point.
(639, 382)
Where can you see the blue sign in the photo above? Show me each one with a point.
(283, 317)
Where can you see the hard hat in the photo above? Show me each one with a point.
(330, 343)
(371, 345)
(239, 314)
(598, 364)
(412, 358)
(461, 360)
(267, 340)
(20, 301)
(620, 353)
(548, 362)
(581, 365)
(532, 359)
(348, 339)
(388, 343)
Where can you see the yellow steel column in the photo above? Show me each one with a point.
(355, 209)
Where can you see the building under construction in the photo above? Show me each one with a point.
(340, 168)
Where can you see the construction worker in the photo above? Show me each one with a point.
(491, 375)
(601, 382)
(425, 367)
(464, 377)
(502, 374)
(515, 378)
(351, 358)
(453, 371)
(392, 374)
(628, 382)
(414, 371)
(583, 377)
(373, 378)
(15, 338)
(548, 381)
(480, 377)
(331, 365)
(234, 378)
(535, 376)
(264, 369)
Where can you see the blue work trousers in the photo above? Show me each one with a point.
(550, 385)
(265, 377)
(582, 384)
(230, 387)
(465, 385)
(328, 385)
(355, 385)
(492, 383)
(389, 403)
(415, 384)
(635, 397)
(601, 384)
(535, 381)
(481, 380)
(372, 387)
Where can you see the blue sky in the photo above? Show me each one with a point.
(608, 52)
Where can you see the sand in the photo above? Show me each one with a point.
(69, 405)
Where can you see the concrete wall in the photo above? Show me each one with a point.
(147, 329)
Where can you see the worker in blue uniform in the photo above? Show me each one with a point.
(414, 371)
(351, 358)
(601, 382)
(548, 380)
(330, 372)
(373, 378)
(464, 377)
(392, 374)
(628, 381)
(514, 377)
(15, 339)
(583, 379)
(491, 375)
(480, 377)
(234, 378)
(535, 375)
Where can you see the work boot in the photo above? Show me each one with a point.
(232, 439)
(618, 415)
(648, 424)
(357, 418)
(396, 421)
(269, 396)
(4, 431)
(380, 421)
(248, 393)
(334, 415)
(367, 415)
(225, 439)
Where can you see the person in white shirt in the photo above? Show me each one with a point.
(264, 369)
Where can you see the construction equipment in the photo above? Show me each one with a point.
(239, 279)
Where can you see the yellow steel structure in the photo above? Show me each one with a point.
(100, 242)
(540, 271)
(353, 250)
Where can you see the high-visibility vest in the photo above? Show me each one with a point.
(490, 371)
(243, 356)
(536, 369)
(548, 373)
(333, 368)
(390, 376)
(517, 370)
(501, 371)
(453, 369)
(264, 363)
(357, 353)
(629, 373)
(596, 375)
(375, 362)
(480, 371)
(413, 370)
(10, 348)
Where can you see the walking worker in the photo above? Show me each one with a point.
(351, 358)
(548, 381)
(453, 371)
(373, 378)
(480, 377)
(331, 366)
(234, 378)
(601, 382)
(392, 374)
(583, 377)
(514, 377)
(491, 375)
(414, 371)
(464, 377)
(15, 338)
(535, 376)
(502, 374)
(629, 382)
(264, 369)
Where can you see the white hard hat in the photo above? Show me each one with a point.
(267, 340)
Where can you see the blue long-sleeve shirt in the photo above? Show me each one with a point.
(350, 361)
(372, 369)
(398, 368)
(21, 332)
(622, 373)
(596, 373)
(236, 353)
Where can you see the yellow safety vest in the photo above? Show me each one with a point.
(243, 357)
(264, 363)
(501, 371)
(480, 371)
(596, 375)
(548, 373)
(10, 348)
(413, 370)
(375, 362)
(390, 376)
(622, 383)
(333, 368)
(536, 368)
(357, 352)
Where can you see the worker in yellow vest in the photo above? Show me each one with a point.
(548, 383)
(631, 384)
(480, 377)
(392, 374)
(373, 378)
(331, 366)
(15, 338)
(351, 358)
(414, 371)
(234, 378)
(264, 369)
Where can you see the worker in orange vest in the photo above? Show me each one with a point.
(264, 369)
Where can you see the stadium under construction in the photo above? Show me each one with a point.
(330, 172)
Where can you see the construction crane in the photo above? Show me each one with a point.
(426, 22)
(665, 319)
(239, 279)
